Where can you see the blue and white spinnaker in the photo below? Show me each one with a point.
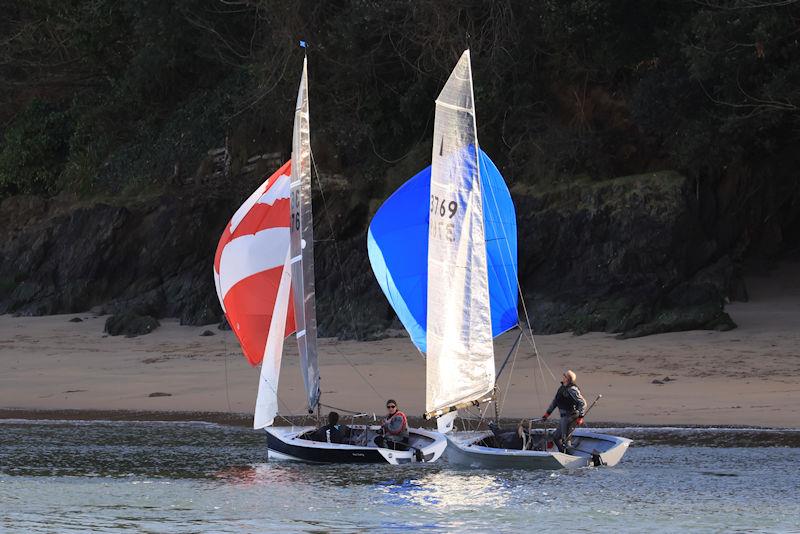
(397, 243)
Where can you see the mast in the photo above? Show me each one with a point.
(460, 350)
(302, 245)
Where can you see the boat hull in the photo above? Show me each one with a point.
(589, 448)
(286, 443)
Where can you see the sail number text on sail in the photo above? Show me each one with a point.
(296, 210)
(446, 210)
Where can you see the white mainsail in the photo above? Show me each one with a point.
(302, 245)
(460, 351)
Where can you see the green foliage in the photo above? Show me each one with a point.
(138, 91)
(34, 150)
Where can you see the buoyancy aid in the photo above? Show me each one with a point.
(403, 431)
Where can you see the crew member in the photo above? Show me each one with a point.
(338, 433)
(394, 428)
(571, 406)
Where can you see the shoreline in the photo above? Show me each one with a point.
(747, 377)
(244, 420)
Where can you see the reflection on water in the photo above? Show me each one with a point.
(168, 477)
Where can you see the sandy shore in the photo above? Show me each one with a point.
(748, 376)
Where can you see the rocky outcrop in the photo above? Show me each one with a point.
(149, 256)
(130, 324)
(628, 255)
(624, 255)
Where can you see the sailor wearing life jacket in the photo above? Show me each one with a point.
(571, 406)
(394, 427)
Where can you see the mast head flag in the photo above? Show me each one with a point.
(249, 263)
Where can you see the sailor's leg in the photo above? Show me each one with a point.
(571, 425)
(557, 437)
(562, 433)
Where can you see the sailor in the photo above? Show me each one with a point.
(571, 406)
(394, 428)
(333, 432)
(509, 439)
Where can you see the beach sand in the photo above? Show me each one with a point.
(748, 376)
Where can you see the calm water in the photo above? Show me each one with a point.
(193, 477)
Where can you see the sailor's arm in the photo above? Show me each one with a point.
(394, 425)
(552, 405)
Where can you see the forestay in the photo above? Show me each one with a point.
(302, 246)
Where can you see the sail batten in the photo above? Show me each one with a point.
(302, 245)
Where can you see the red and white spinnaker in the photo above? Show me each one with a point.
(252, 275)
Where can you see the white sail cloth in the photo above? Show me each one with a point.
(460, 351)
(267, 399)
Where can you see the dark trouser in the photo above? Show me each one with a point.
(396, 444)
(565, 427)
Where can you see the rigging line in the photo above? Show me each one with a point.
(543, 361)
(511, 350)
(285, 419)
(339, 409)
(505, 271)
(483, 414)
(348, 286)
(553, 376)
(510, 374)
(227, 384)
(358, 372)
(280, 400)
(541, 374)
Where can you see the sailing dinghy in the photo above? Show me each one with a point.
(264, 275)
(443, 249)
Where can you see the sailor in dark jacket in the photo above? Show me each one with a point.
(333, 432)
(571, 406)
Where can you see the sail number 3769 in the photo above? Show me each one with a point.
(438, 207)
(444, 209)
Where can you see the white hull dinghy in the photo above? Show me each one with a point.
(293, 444)
(479, 450)
(264, 275)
